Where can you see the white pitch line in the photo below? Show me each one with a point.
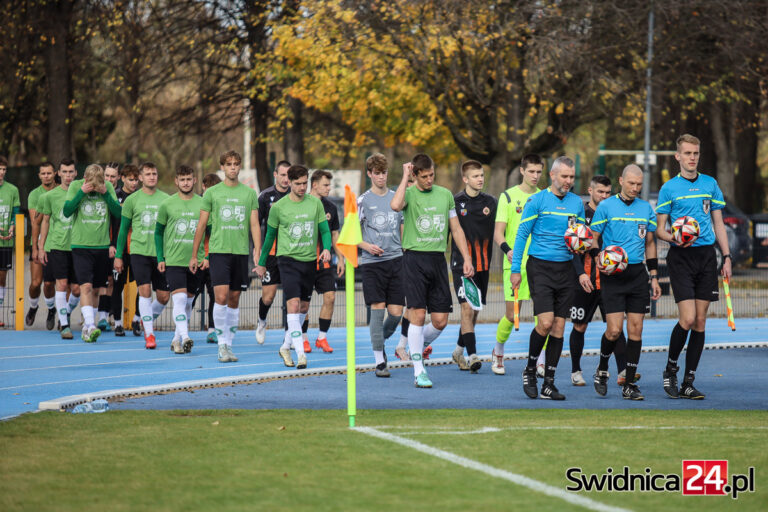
(489, 430)
(464, 462)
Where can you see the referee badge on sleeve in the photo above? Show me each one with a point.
(705, 204)
(641, 229)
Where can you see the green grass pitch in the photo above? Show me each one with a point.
(309, 460)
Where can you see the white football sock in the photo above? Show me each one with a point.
(73, 302)
(145, 310)
(61, 306)
(34, 303)
(233, 319)
(50, 302)
(499, 349)
(379, 356)
(416, 346)
(180, 314)
(220, 322)
(294, 331)
(87, 312)
(430, 334)
(157, 308)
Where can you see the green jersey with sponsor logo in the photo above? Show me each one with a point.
(180, 218)
(9, 199)
(142, 209)
(230, 217)
(90, 227)
(297, 226)
(426, 217)
(59, 225)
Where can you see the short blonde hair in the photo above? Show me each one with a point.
(94, 174)
(690, 139)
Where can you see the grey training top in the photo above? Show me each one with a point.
(380, 225)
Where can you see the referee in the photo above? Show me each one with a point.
(692, 267)
(629, 222)
(551, 271)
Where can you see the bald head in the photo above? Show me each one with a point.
(631, 181)
(631, 169)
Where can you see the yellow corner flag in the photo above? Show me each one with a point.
(349, 238)
(350, 235)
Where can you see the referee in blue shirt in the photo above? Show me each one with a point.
(692, 267)
(629, 222)
(551, 271)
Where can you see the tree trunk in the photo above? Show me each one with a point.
(293, 142)
(749, 192)
(497, 179)
(59, 79)
(726, 163)
(259, 113)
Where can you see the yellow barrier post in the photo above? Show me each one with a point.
(19, 272)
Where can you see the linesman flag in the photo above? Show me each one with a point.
(349, 238)
(350, 235)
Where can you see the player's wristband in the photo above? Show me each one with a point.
(505, 247)
(727, 256)
(653, 263)
(654, 276)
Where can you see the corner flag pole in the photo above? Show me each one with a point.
(349, 238)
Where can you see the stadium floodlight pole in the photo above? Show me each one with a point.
(350, 237)
(648, 74)
(19, 272)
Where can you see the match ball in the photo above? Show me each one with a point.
(685, 230)
(612, 260)
(578, 238)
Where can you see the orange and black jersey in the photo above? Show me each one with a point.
(332, 216)
(588, 259)
(267, 198)
(477, 218)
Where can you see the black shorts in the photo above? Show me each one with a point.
(383, 282)
(91, 266)
(325, 280)
(693, 273)
(425, 281)
(6, 258)
(181, 278)
(145, 271)
(298, 277)
(229, 269)
(59, 266)
(273, 272)
(585, 304)
(481, 281)
(552, 284)
(627, 291)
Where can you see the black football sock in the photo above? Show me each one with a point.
(535, 344)
(576, 343)
(606, 349)
(693, 354)
(263, 310)
(633, 358)
(305, 326)
(552, 356)
(470, 342)
(404, 327)
(676, 344)
(460, 341)
(619, 353)
(104, 303)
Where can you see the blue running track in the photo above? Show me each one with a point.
(37, 366)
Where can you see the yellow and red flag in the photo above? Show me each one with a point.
(350, 235)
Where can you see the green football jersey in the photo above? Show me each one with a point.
(180, 218)
(90, 227)
(297, 226)
(142, 209)
(33, 203)
(230, 217)
(510, 210)
(426, 217)
(59, 226)
(9, 199)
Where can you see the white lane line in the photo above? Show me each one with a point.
(464, 462)
(487, 430)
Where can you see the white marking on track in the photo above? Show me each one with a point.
(522, 480)
(489, 430)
